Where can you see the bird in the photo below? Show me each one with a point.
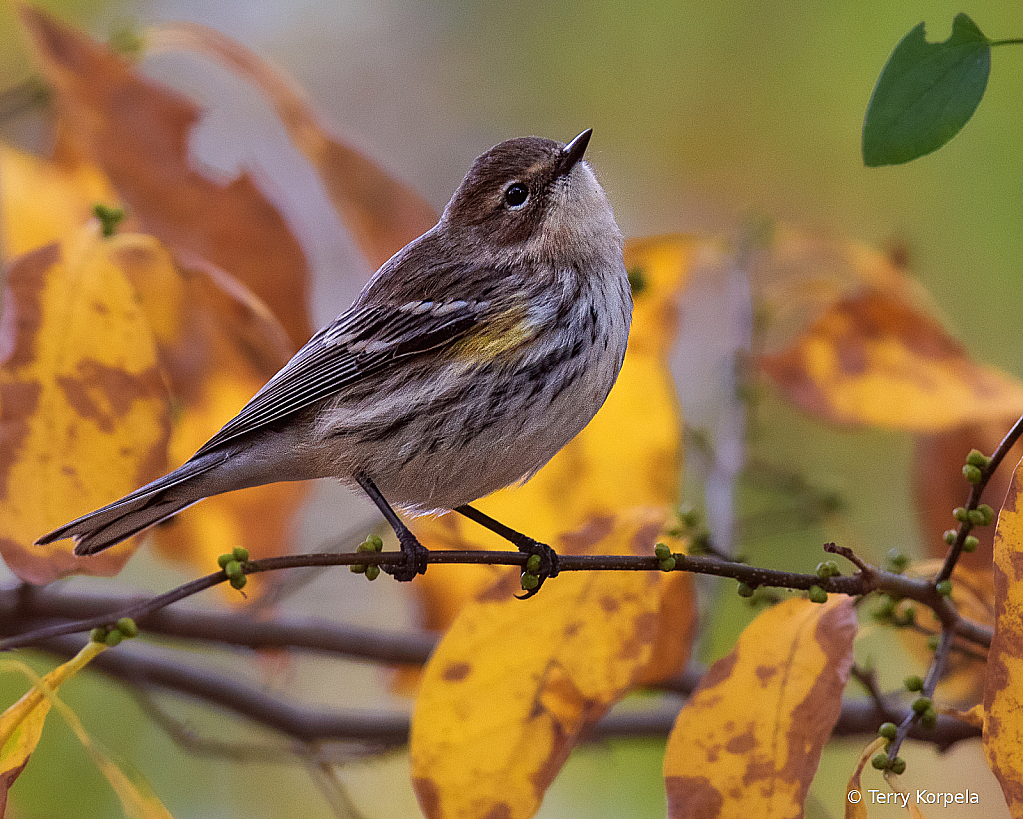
(470, 358)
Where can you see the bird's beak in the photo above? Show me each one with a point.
(573, 152)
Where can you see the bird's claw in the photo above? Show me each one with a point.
(415, 554)
(535, 572)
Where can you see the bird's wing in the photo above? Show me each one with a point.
(361, 341)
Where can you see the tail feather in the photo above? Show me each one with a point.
(139, 510)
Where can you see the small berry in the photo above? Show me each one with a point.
(889, 730)
(972, 473)
(224, 559)
(240, 553)
(818, 595)
(667, 565)
(929, 718)
(950, 536)
(921, 704)
(898, 766)
(661, 551)
(376, 542)
(127, 627)
(239, 582)
(897, 561)
(977, 458)
(879, 761)
(530, 581)
(234, 569)
(970, 543)
(113, 638)
(372, 572)
(745, 590)
(358, 568)
(961, 514)
(533, 564)
(944, 588)
(914, 682)
(99, 634)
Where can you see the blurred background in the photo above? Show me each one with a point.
(705, 116)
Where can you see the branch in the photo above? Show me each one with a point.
(136, 665)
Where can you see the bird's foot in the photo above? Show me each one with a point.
(415, 554)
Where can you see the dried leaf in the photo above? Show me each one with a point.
(1003, 693)
(83, 406)
(138, 132)
(382, 213)
(748, 741)
(855, 804)
(511, 686)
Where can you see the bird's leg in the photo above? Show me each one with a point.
(548, 557)
(414, 551)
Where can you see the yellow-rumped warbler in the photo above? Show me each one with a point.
(470, 358)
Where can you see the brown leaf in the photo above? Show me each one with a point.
(137, 132)
(382, 213)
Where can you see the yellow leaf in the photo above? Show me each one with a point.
(43, 201)
(1003, 692)
(748, 741)
(83, 406)
(855, 804)
(382, 214)
(862, 346)
(21, 725)
(512, 685)
(629, 455)
(218, 345)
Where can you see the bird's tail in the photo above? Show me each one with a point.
(141, 509)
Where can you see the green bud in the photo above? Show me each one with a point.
(889, 730)
(950, 536)
(113, 638)
(879, 762)
(897, 561)
(818, 595)
(745, 590)
(944, 588)
(667, 565)
(372, 572)
(898, 766)
(822, 571)
(533, 564)
(661, 551)
(224, 559)
(240, 553)
(239, 582)
(530, 581)
(234, 569)
(972, 473)
(109, 217)
(961, 514)
(929, 718)
(98, 634)
(921, 704)
(914, 682)
(376, 542)
(977, 458)
(127, 627)
(970, 543)
(988, 512)
(358, 568)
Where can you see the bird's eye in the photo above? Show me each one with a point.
(515, 195)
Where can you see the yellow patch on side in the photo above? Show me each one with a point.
(504, 333)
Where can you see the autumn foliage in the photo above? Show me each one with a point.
(121, 354)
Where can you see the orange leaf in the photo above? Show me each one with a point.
(863, 348)
(383, 214)
(512, 685)
(137, 132)
(748, 741)
(1003, 693)
(83, 407)
(855, 804)
(629, 455)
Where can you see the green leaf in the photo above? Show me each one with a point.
(926, 93)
